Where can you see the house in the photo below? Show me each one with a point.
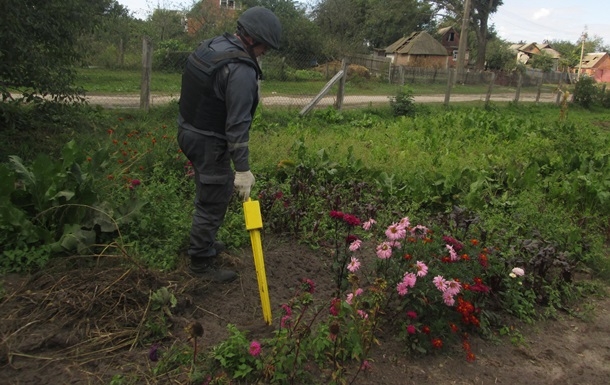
(596, 65)
(525, 52)
(450, 39)
(216, 10)
(419, 49)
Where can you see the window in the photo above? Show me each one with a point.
(455, 54)
(451, 36)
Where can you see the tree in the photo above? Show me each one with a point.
(499, 56)
(358, 25)
(38, 44)
(542, 61)
(479, 18)
(389, 20)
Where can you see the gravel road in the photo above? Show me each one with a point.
(133, 101)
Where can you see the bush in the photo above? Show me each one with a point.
(403, 104)
(585, 92)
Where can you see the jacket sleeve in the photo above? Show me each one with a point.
(237, 85)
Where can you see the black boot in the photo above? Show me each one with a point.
(206, 269)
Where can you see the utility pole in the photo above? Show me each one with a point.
(463, 42)
(583, 38)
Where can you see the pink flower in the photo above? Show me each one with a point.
(452, 253)
(402, 288)
(287, 309)
(419, 231)
(363, 314)
(384, 250)
(448, 299)
(395, 244)
(255, 348)
(440, 283)
(135, 182)
(453, 287)
(350, 298)
(285, 321)
(409, 279)
(411, 329)
(368, 224)
(411, 314)
(355, 245)
(519, 272)
(422, 269)
(354, 265)
(366, 365)
(395, 232)
(404, 223)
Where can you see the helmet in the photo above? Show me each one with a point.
(262, 25)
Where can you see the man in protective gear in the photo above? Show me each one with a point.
(218, 99)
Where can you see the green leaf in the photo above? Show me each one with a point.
(20, 169)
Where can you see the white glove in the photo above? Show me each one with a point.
(244, 180)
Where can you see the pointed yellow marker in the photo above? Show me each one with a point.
(254, 222)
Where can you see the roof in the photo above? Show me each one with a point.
(590, 60)
(535, 49)
(444, 30)
(417, 43)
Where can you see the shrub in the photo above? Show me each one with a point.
(585, 92)
(403, 104)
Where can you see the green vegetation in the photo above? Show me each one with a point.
(475, 196)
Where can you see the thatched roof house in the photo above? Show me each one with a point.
(419, 49)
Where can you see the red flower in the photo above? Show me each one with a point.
(336, 214)
(351, 220)
(255, 348)
(483, 260)
(425, 330)
(335, 306)
(437, 343)
(309, 285)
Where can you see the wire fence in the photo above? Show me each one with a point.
(295, 82)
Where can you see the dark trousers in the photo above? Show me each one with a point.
(213, 188)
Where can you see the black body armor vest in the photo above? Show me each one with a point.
(199, 105)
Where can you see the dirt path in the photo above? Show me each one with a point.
(133, 101)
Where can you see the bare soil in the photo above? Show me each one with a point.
(79, 322)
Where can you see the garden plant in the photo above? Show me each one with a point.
(434, 227)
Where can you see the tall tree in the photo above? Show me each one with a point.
(38, 44)
(389, 20)
(479, 21)
(301, 42)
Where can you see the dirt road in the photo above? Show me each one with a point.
(133, 101)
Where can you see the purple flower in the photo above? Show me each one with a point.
(153, 353)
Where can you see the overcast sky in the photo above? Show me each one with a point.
(516, 20)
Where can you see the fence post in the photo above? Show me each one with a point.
(341, 90)
(559, 93)
(490, 88)
(539, 88)
(519, 83)
(450, 75)
(146, 73)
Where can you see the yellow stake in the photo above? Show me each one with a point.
(254, 222)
